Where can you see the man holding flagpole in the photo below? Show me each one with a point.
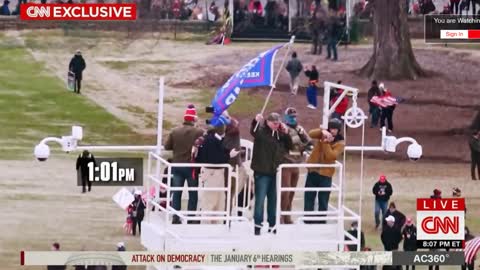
(271, 142)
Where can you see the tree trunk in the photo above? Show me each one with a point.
(393, 56)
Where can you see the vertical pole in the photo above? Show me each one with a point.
(290, 11)
(161, 90)
(326, 106)
(231, 9)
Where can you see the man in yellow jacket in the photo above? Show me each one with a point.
(328, 147)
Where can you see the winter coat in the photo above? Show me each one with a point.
(232, 141)
(139, 207)
(391, 238)
(82, 164)
(77, 65)
(325, 153)
(212, 150)
(386, 189)
(342, 105)
(400, 219)
(373, 91)
(312, 76)
(299, 143)
(409, 234)
(354, 232)
(474, 144)
(269, 148)
(334, 29)
(181, 141)
(294, 67)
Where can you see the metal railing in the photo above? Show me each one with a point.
(337, 213)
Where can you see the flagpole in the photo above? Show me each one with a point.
(292, 39)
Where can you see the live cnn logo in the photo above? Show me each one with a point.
(78, 12)
(441, 223)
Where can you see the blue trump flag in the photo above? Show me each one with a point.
(257, 72)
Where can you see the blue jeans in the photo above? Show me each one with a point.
(315, 180)
(265, 187)
(312, 95)
(375, 114)
(178, 180)
(332, 47)
(380, 206)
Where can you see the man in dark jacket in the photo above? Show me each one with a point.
(391, 238)
(317, 28)
(373, 108)
(474, 144)
(138, 212)
(409, 235)
(77, 65)
(82, 169)
(294, 68)
(180, 141)
(399, 216)
(213, 151)
(333, 35)
(354, 232)
(382, 191)
(270, 143)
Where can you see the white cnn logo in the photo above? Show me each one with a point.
(35, 12)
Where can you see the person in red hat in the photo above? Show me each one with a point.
(180, 141)
(383, 191)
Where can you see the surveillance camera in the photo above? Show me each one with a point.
(414, 152)
(42, 152)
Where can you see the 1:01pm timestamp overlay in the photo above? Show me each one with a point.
(113, 172)
(452, 29)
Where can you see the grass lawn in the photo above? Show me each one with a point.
(35, 104)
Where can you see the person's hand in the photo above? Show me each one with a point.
(283, 128)
(234, 153)
(259, 117)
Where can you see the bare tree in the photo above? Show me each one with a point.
(393, 56)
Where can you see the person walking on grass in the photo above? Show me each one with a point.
(328, 147)
(312, 89)
(300, 141)
(399, 216)
(82, 169)
(474, 144)
(387, 111)
(294, 68)
(270, 143)
(409, 235)
(77, 66)
(391, 238)
(383, 191)
(138, 213)
(374, 109)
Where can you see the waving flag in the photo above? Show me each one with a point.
(471, 249)
(257, 72)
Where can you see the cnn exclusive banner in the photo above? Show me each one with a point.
(234, 259)
(78, 12)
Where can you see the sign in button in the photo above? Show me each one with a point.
(454, 34)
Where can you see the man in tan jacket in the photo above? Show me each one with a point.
(328, 147)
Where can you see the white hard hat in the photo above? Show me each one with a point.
(138, 192)
(120, 244)
(381, 86)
